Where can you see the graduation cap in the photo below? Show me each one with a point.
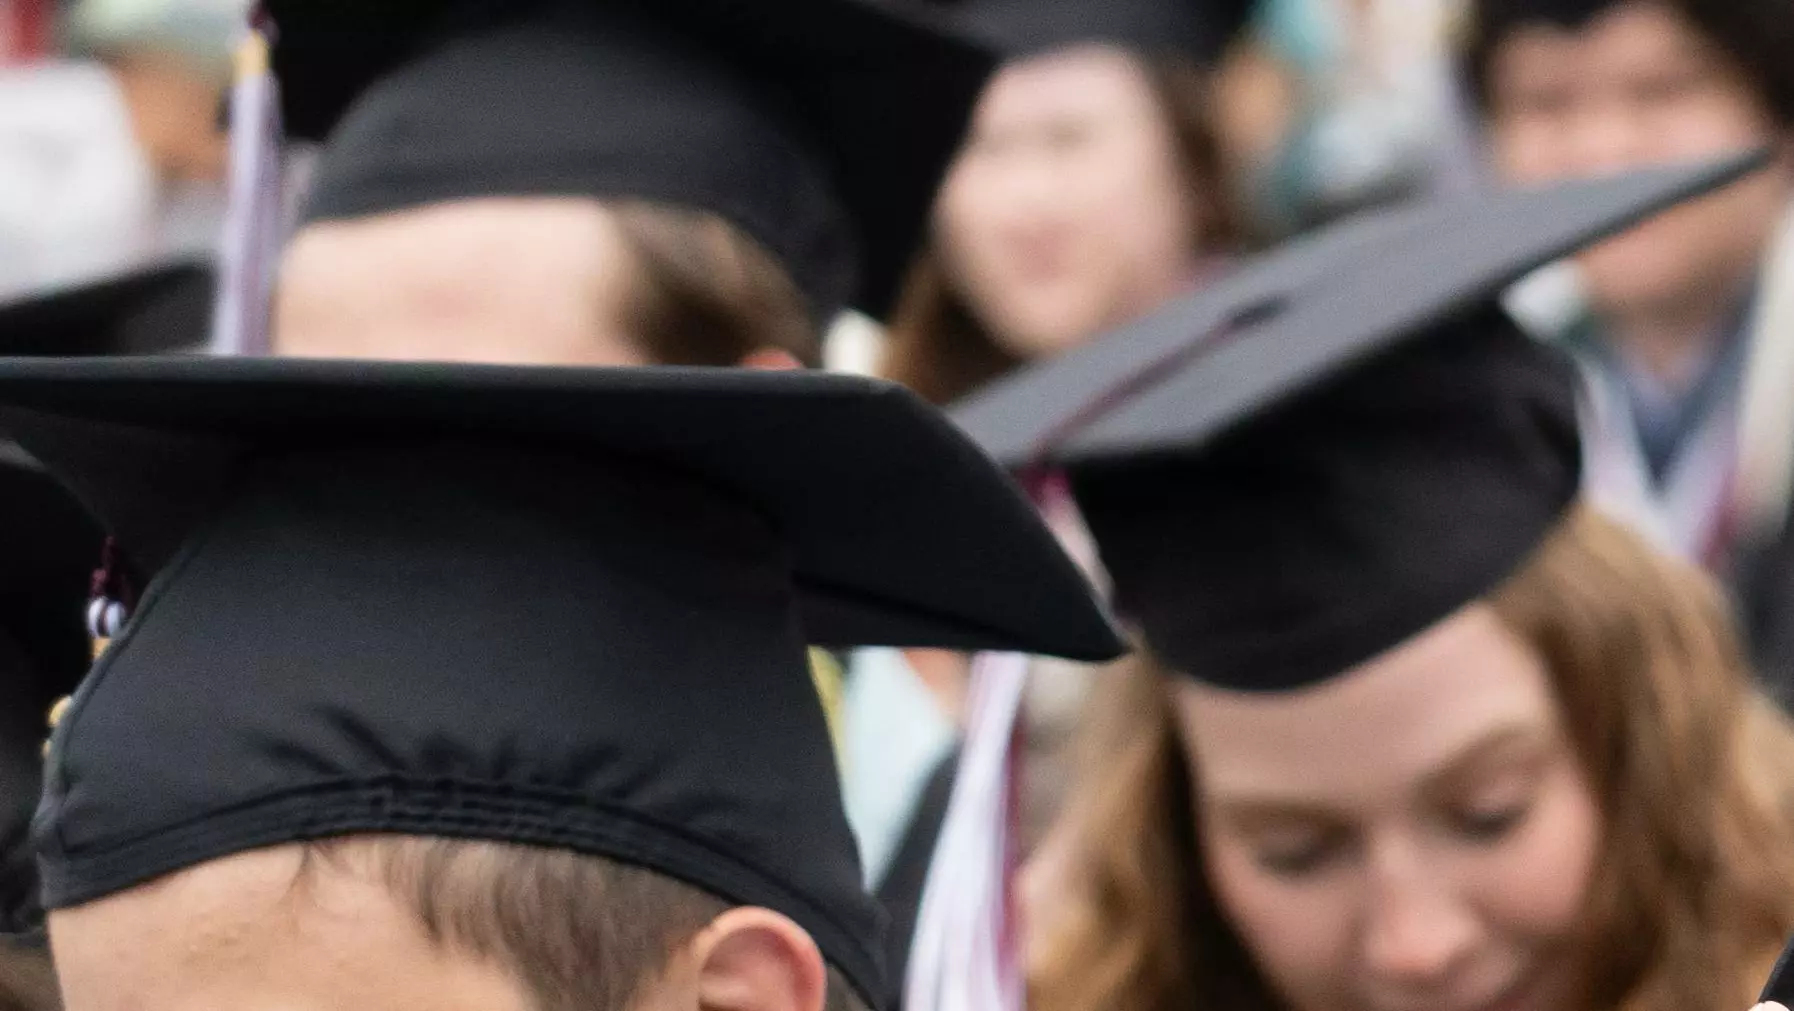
(819, 127)
(1201, 30)
(49, 545)
(1336, 447)
(48, 549)
(550, 606)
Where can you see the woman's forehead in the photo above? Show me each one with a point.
(1387, 728)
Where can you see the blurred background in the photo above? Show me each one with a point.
(113, 152)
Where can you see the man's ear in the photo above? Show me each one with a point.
(770, 360)
(753, 959)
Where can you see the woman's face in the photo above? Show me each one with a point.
(1068, 210)
(1417, 835)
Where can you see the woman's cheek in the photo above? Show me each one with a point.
(1536, 882)
(1297, 930)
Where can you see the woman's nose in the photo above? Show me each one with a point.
(1417, 931)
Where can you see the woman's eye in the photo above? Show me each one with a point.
(1296, 859)
(1491, 823)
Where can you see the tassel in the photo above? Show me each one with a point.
(252, 228)
(109, 600)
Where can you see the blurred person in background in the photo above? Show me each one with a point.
(172, 62)
(496, 239)
(1411, 726)
(1684, 328)
(1334, 106)
(524, 233)
(25, 30)
(1092, 186)
(116, 156)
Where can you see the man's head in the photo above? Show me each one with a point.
(540, 280)
(383, 923)
(557, 608)
(519, 177)
(1584, 87)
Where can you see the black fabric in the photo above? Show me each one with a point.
(1328, 530)
(1291, 317)
(905, 878)
(550, 606)
(1201, 32)
(819, 127)
(562, 652)
(49, 546)
(48, 549)
(1336, 447)
(898, 526)
(162, 307)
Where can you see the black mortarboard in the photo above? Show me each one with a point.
(1201, 30)
(555, 606)
(819, 127)
(49, 546)
(160, 307)
(48, 549)
(1338, 446)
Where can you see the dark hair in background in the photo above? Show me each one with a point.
(1756, 35)
(939, 349)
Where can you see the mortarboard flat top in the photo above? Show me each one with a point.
(892, 517)
(560, 607)
(1199, 31)
(820, 127)
(1310, 308)
(1335, 447)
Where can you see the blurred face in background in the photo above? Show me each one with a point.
(1069, 209)
(1637, 86)
(1417, 834)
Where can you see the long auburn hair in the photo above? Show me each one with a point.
(1693, 772)
(938, 347)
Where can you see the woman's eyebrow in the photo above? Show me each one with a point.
(1497, 743)
(1270, 811)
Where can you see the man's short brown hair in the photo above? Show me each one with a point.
(580, 933)
(709, 295)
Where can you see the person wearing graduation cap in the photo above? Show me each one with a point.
(572, 182)
(467, 686)
(1091, 186)
(1411, 725)
(565, 182)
